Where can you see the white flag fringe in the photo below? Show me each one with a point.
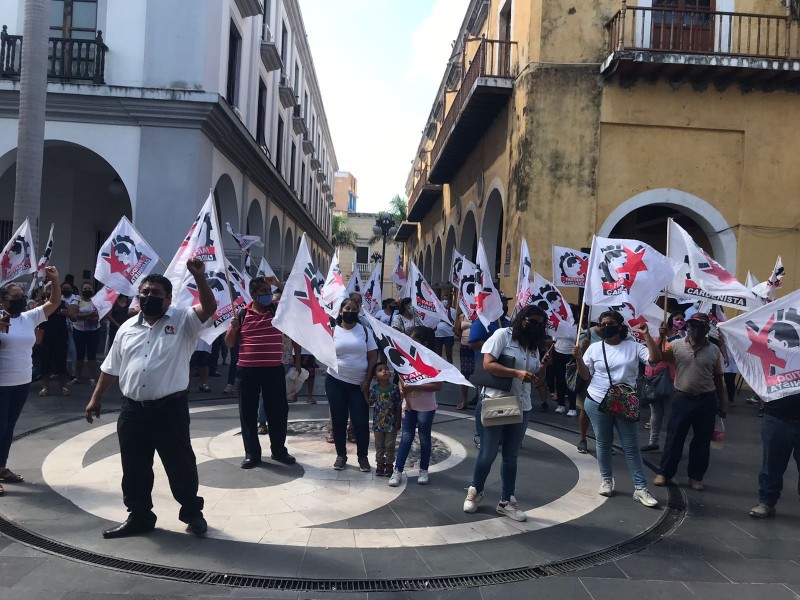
(18, 258)
(429, 308)
(414, 363)
(300, 314)
(124, 259)
(372, 295)
(765, 344)
(489, 306)
(569, 267)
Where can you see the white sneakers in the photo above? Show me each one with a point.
(645, 497)
(395, 479)
(423, 477)
(511, 510)
(606, 487)
(473, 499)
(560, 410)
(572, 413)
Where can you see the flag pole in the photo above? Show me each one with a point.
(666, 289)
(580, 323)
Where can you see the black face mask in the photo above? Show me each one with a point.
(152, 306)
(609, 332)
(349, 317)
(16, 305)
(87, 294)
(535, 330)
(697, 333)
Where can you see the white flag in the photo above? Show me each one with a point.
(104, 300)
(18, 256)
(333, 290)
(569, 267)
(766, 346)
(653, 315)
(751, 282)
(398, 274)
(428, 306)
(244, 241)
(768, 288)
(44, 261)
(264, 270)
(412, 361)
(203, 242)
(456, 266)
(701, 277)
(542, 293)
(468, 288)
(523, 277)
(300, 314)
(372, 291)
(622, 270)
(320, 278)
(355, 284)
(489, 306)
(124, 259)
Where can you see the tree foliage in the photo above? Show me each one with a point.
(341, 236)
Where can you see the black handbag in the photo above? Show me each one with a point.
(656, 386)
(482, 378)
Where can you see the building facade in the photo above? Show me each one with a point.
(151, 104)
(555, 121)
(345, 193)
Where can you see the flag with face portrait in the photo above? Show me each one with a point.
(203, 242)
(44, 261)
(300, 314)
(245, 242)
(774, 282)
(413, 362)
(124, 259)
(429, 308)
(399, 274)
(765, 344)
(653, 315)
(523, 277)
(18, 258)
(334, 291)
(468, 288)
(569, 267)
(702, 278)
(355, 284)
(104, 301)
(488, 303)
(372, 291)
(543, 294)
(622, 270)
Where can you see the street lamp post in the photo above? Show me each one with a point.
(384, 225)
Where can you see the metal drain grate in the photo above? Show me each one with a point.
(669, 521)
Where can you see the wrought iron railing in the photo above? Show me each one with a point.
(491, 59)
(68, 58)
(704, 32)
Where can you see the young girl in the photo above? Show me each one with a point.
(419, 408)
(384, 397)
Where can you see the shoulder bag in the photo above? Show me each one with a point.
(503, 409)
(620, 400)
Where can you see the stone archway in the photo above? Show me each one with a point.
(492, 230)
(274, 242)
(469, 236)
(288, 253)
(427, 264)
(437, 275)
(227, 205)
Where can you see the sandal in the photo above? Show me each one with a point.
(65, 391)
(204, 387)
(7, 476)
(44, 392)
(311, 401)
(462, 406)
(329, 437)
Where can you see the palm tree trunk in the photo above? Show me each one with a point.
(32, 99)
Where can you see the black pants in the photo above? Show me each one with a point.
(270, 382)
(162, 427)
(53, 355)
(781, 440)
(698, 413)
(730, 386)
(346, 401)
(86, 343)
(563, 393)
(216, 348)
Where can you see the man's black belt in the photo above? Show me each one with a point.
(159, 401)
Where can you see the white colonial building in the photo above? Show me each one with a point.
(152, 103)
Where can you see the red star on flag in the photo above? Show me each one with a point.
(417, 363)
(318, 314)
(760, 349)
(715, 270)
(634, 264)
(116, 265)
(584, 266)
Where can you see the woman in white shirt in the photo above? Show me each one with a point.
(347, 386)
(17, 337)
(619, 356)
(405, 320)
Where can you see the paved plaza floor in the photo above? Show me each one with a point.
(283, 527)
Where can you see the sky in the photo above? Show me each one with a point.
(379, 64)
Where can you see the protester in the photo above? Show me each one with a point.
(466, 355)
(659, 403)
(53, 347)
(386, 403)
(17, 337)
(155, 412)
(388, 307)
(347, 385)
(419, 409)
(699, 397)
(676, 324)
(444, 333)
(616, 360)
(69, 298)
(566, 398)
(199, 363)
(405, 319)
(86, 332)
(260, 372)
(521, 341)
(309, 363)
(780, 438)
(119, 313)
(588, 337)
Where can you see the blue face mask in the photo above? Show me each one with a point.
(264, 300)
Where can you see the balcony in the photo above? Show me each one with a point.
(406, 231)
(315, 164)
(69, 59)
(364, 270)
(249, 8)
(325, 188)
(298, 122)
(701, 47)
(422, 197)
(286, 92)
(270, 56)
(320, 176)
(308, 146)
(485, 87)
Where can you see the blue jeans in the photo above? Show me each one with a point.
(347, 400)
(780, 439)
(698, 413)
(12, 399)
(478, 423)
(414, 420)
(628, 433)
(511, 437)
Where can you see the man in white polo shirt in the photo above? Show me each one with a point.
(150, 357)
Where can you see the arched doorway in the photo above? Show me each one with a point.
(274, 244)
(492, 230)
(288, 253)
(255, 226)
(82, 194)
(449, 246)
(469, 237)
(437, 275)
(227, 206)
(426, 269)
